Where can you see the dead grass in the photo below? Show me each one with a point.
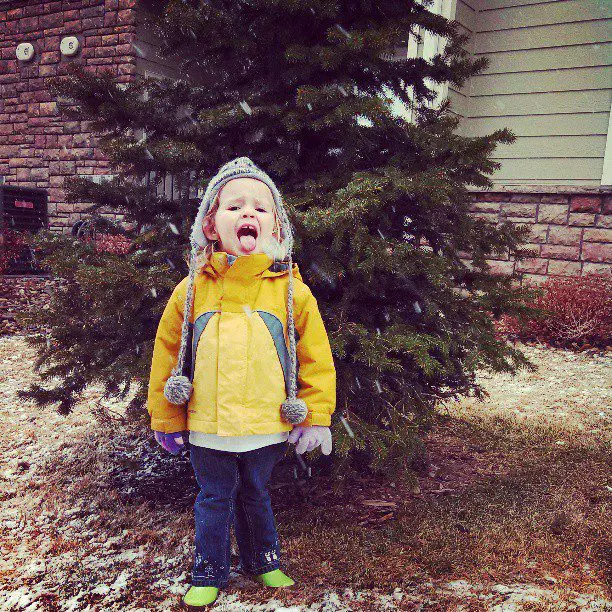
(502, 501)
(527, 512)
(540, 517)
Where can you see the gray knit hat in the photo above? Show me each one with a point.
(178, 388)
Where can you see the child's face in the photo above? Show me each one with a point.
(243, 202)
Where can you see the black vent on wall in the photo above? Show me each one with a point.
(23, 209)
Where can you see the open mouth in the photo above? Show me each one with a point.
(247, 236)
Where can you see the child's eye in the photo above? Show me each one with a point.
(262, 210)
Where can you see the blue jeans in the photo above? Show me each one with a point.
(233, 489)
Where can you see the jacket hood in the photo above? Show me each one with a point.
(256, 264)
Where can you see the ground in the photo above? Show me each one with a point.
(512, 512)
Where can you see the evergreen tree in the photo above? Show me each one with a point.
(380, 204)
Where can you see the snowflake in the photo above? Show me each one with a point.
(343, 31)
(347, 427)
(245, 107)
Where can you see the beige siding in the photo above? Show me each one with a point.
(545, 125)
(517, 107)
(542, 81)
(556, 171)
(553, 58)
(521, 14)
(527, 38)
(549, 81)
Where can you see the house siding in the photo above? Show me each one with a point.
(149, 62)
(549, 81)
(465, 16)
(147, 44)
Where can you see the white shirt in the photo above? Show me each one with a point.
(235, 444)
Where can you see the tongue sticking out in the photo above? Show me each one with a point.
(248, 242)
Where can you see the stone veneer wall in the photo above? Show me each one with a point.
(38, 147)
(571, 229)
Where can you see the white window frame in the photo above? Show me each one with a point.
(431, 45)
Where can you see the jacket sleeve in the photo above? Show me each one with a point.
(316, 372)
(165, 416)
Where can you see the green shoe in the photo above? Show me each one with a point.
(275, 578)
(198, 597)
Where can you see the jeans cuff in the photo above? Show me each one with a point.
(268, 567)
(208, 582)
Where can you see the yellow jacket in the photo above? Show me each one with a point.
(240, 343)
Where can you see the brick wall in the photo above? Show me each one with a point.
(571, 233)
(38, 148)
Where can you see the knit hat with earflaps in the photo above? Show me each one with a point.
(178, 388)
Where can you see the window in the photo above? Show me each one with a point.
(426, 48)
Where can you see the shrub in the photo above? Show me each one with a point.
(110, 243)
(11, 245)
(576, 309)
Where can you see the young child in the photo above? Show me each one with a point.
(259, 374)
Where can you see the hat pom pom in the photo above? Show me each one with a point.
(178, 389)
(294, 410)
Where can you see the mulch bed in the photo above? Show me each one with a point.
(19, 293)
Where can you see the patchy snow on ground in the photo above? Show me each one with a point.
(569, 392)
(53, 557)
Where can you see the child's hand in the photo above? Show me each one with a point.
(311, 437)
(172, 442)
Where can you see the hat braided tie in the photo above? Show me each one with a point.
(293, 409)
(178, 388)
